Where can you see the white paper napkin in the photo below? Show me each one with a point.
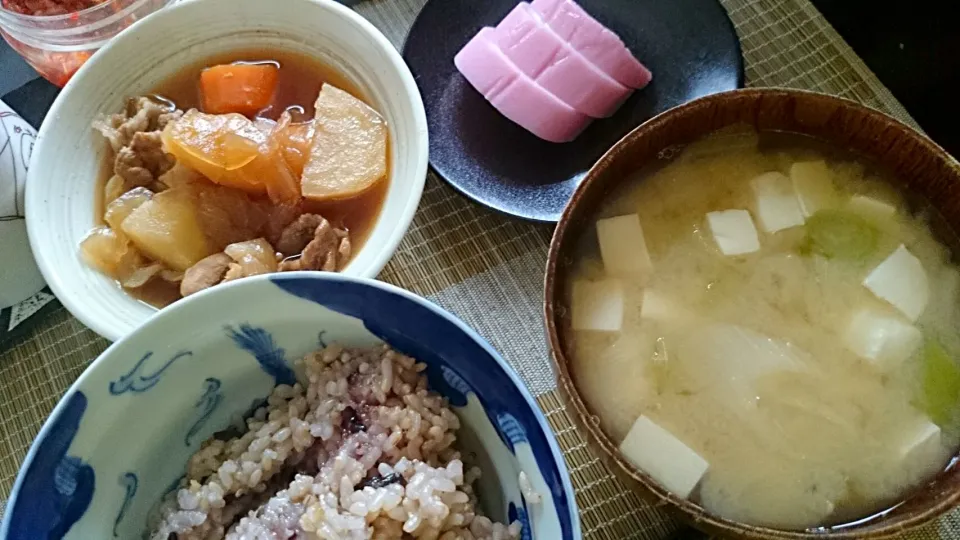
(20, 281)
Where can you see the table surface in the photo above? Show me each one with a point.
(485, 268)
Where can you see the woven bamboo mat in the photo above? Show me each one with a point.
(488, 269)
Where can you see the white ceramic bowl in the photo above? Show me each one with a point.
(68, 155)
(124, 431)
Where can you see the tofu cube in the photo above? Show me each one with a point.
(777, 205)
(597, 305)
(734, 232)
(664, 457)
(813, 184)
(870, 208)
(921, 443)
(901, 280)
(884, 340)
(622, 246)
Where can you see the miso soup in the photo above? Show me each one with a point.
(768, 328)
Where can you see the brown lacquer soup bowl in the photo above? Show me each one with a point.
(919, 165)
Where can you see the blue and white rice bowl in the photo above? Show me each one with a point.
(121, 437)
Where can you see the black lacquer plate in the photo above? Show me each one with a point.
(689, 45)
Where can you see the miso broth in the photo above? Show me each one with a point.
(812, 366)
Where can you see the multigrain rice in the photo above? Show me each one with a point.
(359, 448)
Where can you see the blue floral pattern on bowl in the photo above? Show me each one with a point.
(207, 403)
(139, 422)
(55, 489)
(130, 482)
(136, 381)
(260, 344)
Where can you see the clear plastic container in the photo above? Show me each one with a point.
(56, 46)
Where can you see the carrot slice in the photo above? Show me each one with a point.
(238, 88)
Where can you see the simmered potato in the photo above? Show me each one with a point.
(349, 152)
(124, 205)
(167, 229)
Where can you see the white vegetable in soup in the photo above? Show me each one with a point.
(766, 328)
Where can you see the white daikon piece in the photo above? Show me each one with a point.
(656, 306)
(776, 203)
(813, 185)
(921, 442)
(597, 305)
(884, 340)
(734, 232)
(666, 458)
(870, 208)
(622, 246)
(727, 360)
(901, 280)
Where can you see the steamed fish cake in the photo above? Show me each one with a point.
(551, 68)
(237, 168)
(769, 330)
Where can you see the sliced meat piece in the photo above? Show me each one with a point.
(556, 66)
(143, 161)
(593, 40)
(328, 250)
(321, 252)
(515, 94)
(142, 114)
(344, 250)
(228, 215)
(134, 136)
(205, 274)
(278, 218)
(298, 234)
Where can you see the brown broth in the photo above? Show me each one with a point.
(299, 83)
(300, 80)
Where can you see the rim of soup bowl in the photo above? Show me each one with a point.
(230, 288)
(76, 304)
(568, 228)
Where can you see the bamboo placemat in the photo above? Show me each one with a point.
(488, 269)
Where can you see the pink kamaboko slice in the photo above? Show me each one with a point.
(593, 40)
(556, 66)
(515, 94)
